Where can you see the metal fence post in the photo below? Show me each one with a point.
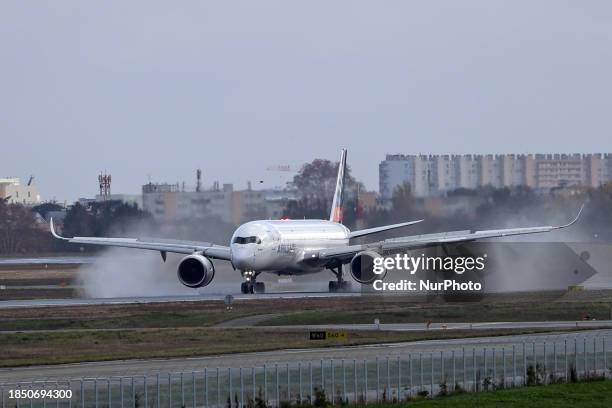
(513, 365)
(311, 386)
(288, 384)
(524, 364)
(355, 380)
(584, 353)
(494, 368)
(454, 371)
(183, 391)
(266, 383)
(241, 389)
(388, 380)
(96, 392)
(301, 397)
(343, 381)
(474, 367)
(218, 387)
(169, 390)
(205, 387)
(464, 369)
(504, 367)
(484, 358)
(544, 369)
(322, 376)
(377, 380)
(594, 366)
(193, 389)
(146, 394)
(605, 359)
(333, 379)
(535, 361)
(410, 373)
(229, 385)
(254, 386)
(277, 386)
(432, 374)
(442, 373)
(421, 368)
(555, 358)
(109, 393)
(576, 355)
(133, 393)
(565, 360)
(365, 381)
(157, 387)
(399, 379)
(82, 395)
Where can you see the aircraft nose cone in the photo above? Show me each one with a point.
(241, 258)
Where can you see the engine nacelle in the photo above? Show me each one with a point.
(362, 267)
(195, 271)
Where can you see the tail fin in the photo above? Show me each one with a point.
(336, 210)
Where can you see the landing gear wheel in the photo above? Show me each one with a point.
(244, 287)
(333, 286)
(259, 287)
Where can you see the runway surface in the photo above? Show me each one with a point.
(8, 304)
(64, 260)
(292, 356)
(452, 326)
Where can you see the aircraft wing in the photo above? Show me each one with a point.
(419, 241)
(161, 245)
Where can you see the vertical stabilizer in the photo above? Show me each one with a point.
(336, 210)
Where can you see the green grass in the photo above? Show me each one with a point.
(453, 312)
(136, 321)
(22, 349)
(585, 394)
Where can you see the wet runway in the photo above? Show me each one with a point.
(9, 304)
(65, 260)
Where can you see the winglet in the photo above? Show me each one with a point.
(52, 228)
(574, 220)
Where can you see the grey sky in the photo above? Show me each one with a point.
(161, 88)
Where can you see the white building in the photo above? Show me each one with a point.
(168, 202)
(434, 174)
(13, 192)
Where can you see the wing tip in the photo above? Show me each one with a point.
(575, 220)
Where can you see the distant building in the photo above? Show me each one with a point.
(132, 199)
(168, 202)
(430, 175)
(12, 191)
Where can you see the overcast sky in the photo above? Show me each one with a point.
(157, 89)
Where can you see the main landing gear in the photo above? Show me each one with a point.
(251, 285)
(339, 285)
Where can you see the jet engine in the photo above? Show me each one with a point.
(195, 271)
(362, 267)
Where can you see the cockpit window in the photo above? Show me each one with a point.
(247, 240)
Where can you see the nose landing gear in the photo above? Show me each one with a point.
(251, 286)
(339, 285)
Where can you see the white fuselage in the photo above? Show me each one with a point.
(279, 246)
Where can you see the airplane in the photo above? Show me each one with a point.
(297, 247)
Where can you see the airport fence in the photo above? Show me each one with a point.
(351, 381)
